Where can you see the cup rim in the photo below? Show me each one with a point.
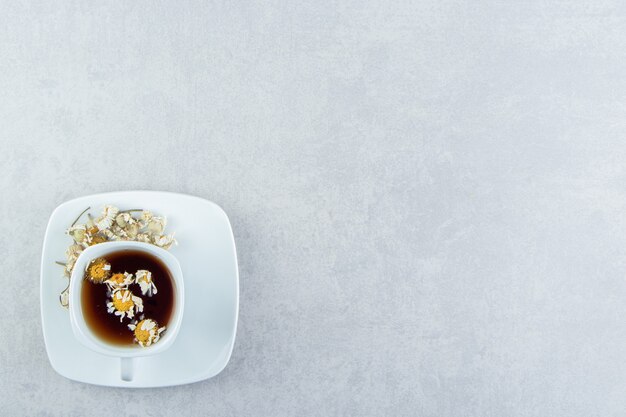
(79, 326)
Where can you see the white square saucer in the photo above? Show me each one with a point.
(207, 255)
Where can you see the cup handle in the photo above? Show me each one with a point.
(126, 369)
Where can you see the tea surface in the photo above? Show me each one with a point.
(159, 306)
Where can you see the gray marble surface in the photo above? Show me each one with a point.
(428, 197)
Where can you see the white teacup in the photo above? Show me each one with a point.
(126, 353)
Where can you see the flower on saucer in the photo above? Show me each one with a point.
(145, 218)
(120, 280)
(78, 232)
(165, 241)
(156, 225)
(144, 279)
(131, 230)
(124, 304)
(92, 229)
(98, 270)
(143, 237)
(113, 225)
(108, 216)
(71, 255)
(110, 234)
(124, 219)
(64, 297)
(147, 332)
(97, 239)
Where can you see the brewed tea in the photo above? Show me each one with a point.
(158, 307)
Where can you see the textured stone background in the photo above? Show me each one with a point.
(428, 197)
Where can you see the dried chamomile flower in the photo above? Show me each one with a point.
(145, 218)
(73, 250)
(119, 232)
(78, 232)
(110, 235)
(144, 279)
(123, 219)
(124, 304)
(92, 229)
(132, 230)
(143, 237)
(71, 254)
(111, 225)
(119, 280)
(146, 331)
(98, 270)
(156, 225)
(97, 239)
(64, 298)
(165, 241)
(108, 216)
(92, 236)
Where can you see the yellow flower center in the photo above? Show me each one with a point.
(123, 300)
(97, 239)
(118, 279)
(142, 335)
(97, 271)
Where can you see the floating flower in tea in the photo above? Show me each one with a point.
(124, 304)
(147, 332)
(98, 270)
(144, 279)
(119, 280)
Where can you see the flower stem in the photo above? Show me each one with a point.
(60, 263)
(80, 215)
